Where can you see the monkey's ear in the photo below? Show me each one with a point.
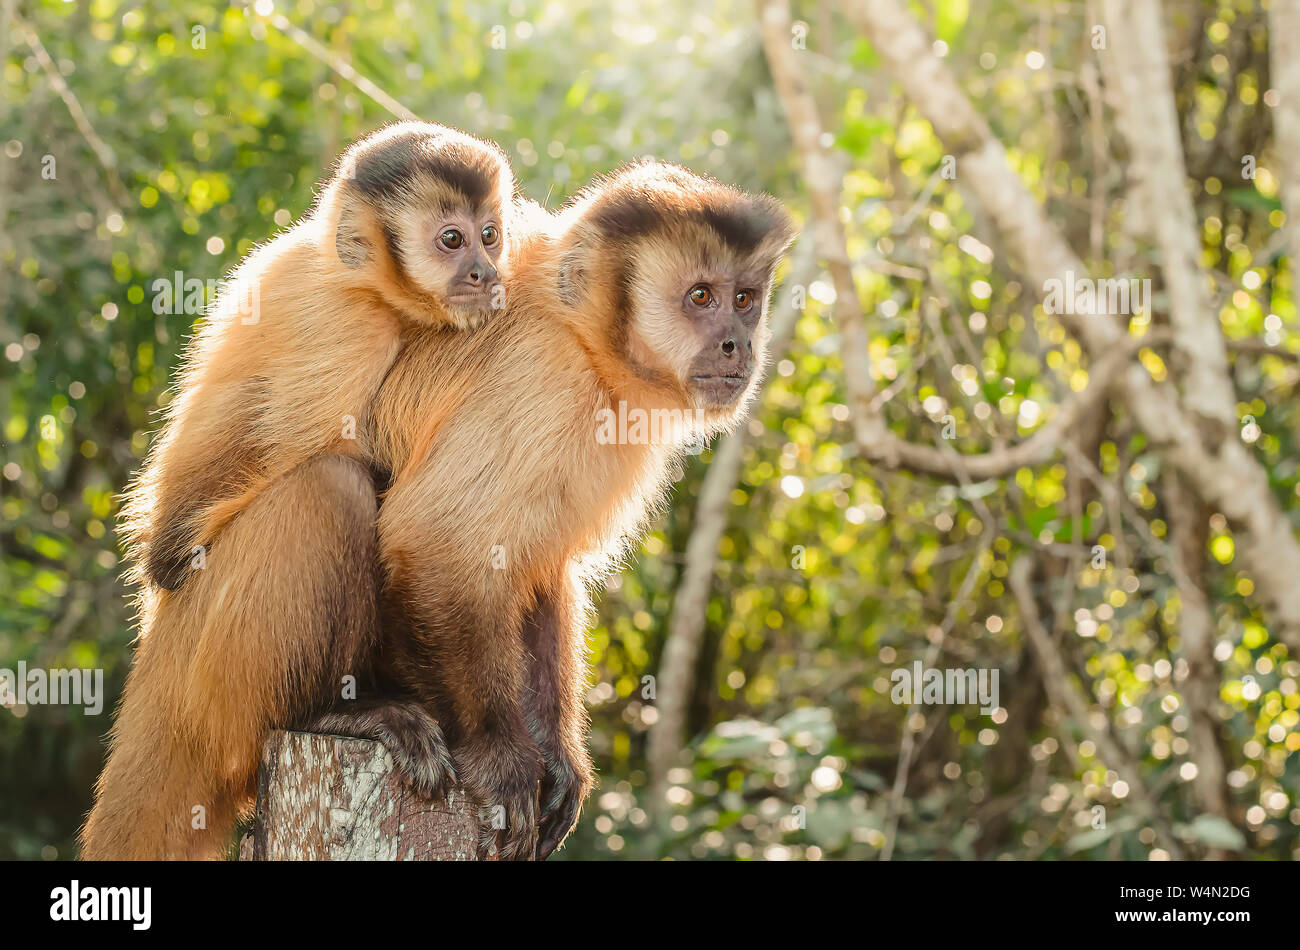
(349, 240)
(781, 229)
(571, 280)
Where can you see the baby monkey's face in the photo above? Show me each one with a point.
(455, 254)
(423, 217)
(465, 250)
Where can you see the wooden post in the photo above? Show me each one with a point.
(326, 798)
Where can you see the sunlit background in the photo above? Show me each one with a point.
(184, 133)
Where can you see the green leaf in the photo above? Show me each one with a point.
(858, 134)
(864, 55)
(1214, 831)
(1252, 200)
(1095, 836)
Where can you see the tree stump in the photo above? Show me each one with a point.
(327, 798)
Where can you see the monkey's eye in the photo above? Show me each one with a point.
(744, 299)
(490, 235)
(700, 295)
(451, 239)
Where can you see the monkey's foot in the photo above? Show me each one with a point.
(412, 737)
(504, 782)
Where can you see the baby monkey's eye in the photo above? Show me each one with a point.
(451, 239)
(490, 235)
(744, 299)
(700, 295)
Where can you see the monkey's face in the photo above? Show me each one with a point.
(704, 327)
(685, 264)
(724, 310)
(456, 255)
(700, 320)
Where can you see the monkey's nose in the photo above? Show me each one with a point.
(728, 346)
(480, 272)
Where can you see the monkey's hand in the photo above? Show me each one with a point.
(565, 783)
(503, 776)
(412, 737)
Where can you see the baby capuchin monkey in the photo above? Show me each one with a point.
(645, 298)
(409, 231)
(252, 527)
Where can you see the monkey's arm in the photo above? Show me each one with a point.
(176, 533)
(197, 479)
(556, 717)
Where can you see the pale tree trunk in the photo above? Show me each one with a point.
(1139, 66)
(824, 183)
(1284, 64)
(1188, 537)
(1160, 208)
(326, 798)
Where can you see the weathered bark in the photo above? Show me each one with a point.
(326, 798)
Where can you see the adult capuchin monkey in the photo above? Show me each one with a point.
(252, 528)
(645, 299)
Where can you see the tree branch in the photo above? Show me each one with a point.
(1034, 450)
(343, 69)
(824, 183)
(1188, 530)
(1144, 107)
(104, 154)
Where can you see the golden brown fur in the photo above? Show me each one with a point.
(252, 525)
(504, 501)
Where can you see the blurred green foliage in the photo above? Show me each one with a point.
(220, 124)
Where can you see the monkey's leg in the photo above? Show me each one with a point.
(282, 610)
(458, 648)
(553, 637)
(412, 737)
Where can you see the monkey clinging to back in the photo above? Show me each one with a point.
(252, 526)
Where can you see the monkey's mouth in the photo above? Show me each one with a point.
(471, 298)
(721, 389)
